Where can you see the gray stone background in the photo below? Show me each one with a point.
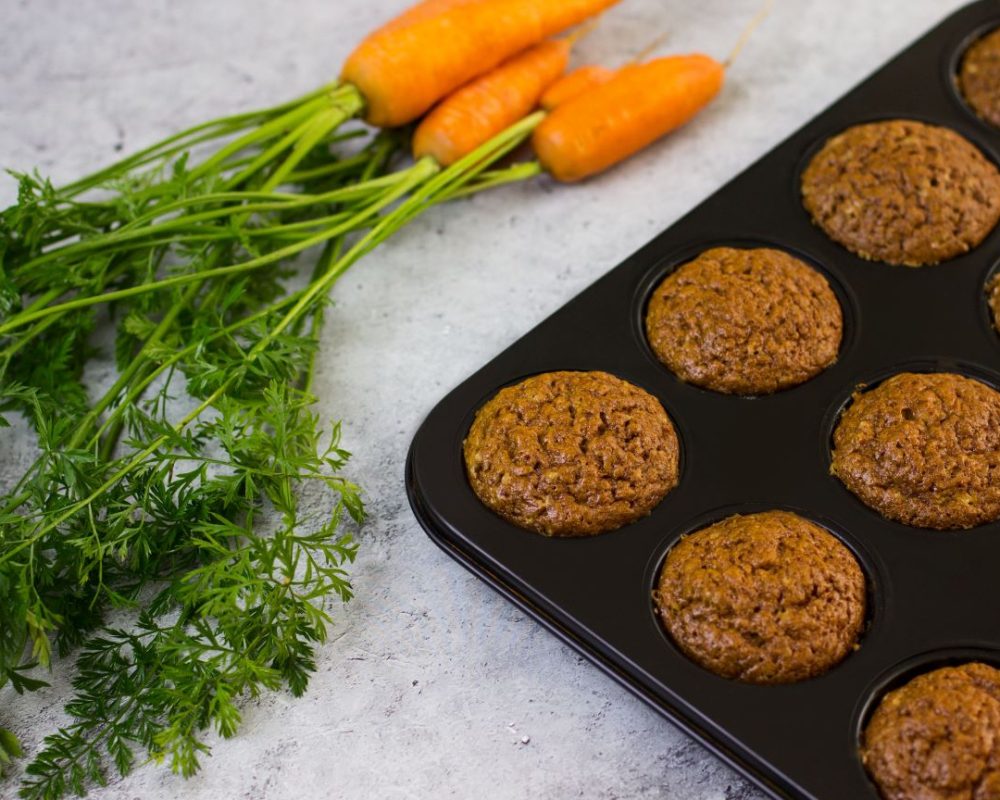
(431, 686)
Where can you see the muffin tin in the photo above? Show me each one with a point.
(933, 595)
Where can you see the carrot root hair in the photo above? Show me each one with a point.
(582, 32)
(650, 48)
(762, 14)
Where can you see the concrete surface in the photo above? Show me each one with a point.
(431, 686)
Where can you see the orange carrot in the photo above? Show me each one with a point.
(402, 70)
(640, 103)
(487, 105)
(588, 77)
(635, 108)
(574, 84)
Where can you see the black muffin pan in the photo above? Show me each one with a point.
(934, 595)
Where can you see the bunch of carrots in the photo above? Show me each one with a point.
(476, 77)
(591, 119)
(170, 239)
(492, 79)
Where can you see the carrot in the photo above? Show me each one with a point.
(402, 70)
(641, 103)
(588, 77)
(482, 108)
(574, 84)
(635, 108)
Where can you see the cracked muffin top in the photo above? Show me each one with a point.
(923, 449)
(745, 321)
(763, 598)
(979, 77)
(938, 737)
(902, 192)
(572, 453)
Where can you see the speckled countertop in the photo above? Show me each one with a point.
(431, 685)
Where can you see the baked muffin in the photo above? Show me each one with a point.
(763, 598)
(923, 449)
(979, 77)
(902, 192)
(938, 737)
(745, 321)
(572, 453)
(993, 298)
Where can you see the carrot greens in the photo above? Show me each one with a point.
(161, 536)
(185, 524)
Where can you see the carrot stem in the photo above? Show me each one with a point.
(467, 168)
(402, 181)
(515, 173)
(278, 202)
(254, 165)
(328, 170)
(322, 124)
(269, 129)
(429, 193)
(188, 138)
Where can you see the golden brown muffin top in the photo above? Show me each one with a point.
(763, 598)
(923, 449)
(938, 737)
(979, 77)
(902, 192)
(993, 297)
(745, 321)
(572, 453)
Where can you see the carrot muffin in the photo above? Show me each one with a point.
(979, 77)
(572, 453)
(902, 192)
(993, 297)
(745, 321)
(938, 737)
(763, 598)
(923, 449)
